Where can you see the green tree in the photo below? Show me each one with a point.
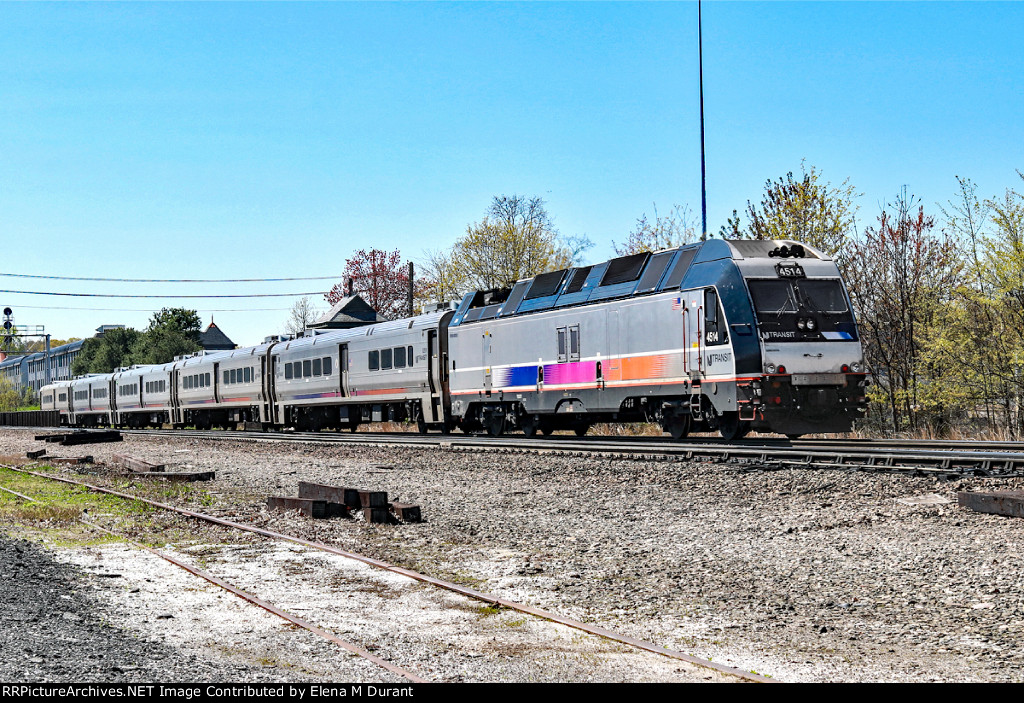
(516, 239)
(807, 210)
(171, 332)
(104, 354)
(10, 399)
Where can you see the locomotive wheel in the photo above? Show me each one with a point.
(529, 424)
(421, 425)
(679, 426)
(731, 428)
(581, 430)
(495, 425)
(353, 426)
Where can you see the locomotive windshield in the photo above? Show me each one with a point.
(781, 296)
(802, 309)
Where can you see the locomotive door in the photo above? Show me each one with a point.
(611, 369)
(693, 336)
(485, 360)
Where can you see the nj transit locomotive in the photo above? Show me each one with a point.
(725, 336)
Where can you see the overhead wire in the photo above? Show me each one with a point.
(173, 280)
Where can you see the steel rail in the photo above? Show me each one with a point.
(244, 595)
(647, 445)
(876, 457)
(423, 578)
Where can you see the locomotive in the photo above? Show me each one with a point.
(726, 336)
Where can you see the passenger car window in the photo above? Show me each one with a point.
(374, 360)
(385, 358)
(399, 357)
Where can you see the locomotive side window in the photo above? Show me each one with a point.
(561, 344)
(715, 329)
(574, 343)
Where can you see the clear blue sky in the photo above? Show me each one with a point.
(243, 140)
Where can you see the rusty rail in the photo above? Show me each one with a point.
(455, 588)
(244, 595)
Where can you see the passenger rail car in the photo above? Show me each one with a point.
(724, 336)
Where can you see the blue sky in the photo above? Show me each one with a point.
(236, 140)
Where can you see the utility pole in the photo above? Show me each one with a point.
(703, 173)
(410, 288)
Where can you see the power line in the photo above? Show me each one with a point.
(172, 280)
(125, 295)
(62, 307)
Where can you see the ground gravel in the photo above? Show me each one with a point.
(804, 575)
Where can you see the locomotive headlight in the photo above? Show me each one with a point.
(856, 367)
(801, 323)
(770, 368)
(811, 324)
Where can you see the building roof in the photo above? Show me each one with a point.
(350, 311)
(212, 339)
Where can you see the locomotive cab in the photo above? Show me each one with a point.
(811, 376)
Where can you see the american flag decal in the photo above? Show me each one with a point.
(677, 303)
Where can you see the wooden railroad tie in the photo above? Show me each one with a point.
(341, 500)
(1009, 503)
(138, 465)
(177, 476)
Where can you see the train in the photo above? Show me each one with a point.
(726, 336)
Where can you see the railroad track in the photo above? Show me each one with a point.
(940, 458)
(490, 599)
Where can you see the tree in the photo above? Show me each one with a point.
(187, 322)
(674, 229)
(171, 332)
(805, 209)
(900, 276)
(380, 278)
(441, 280)
(106, 353)
(516, 239)
(303, 314)
(10, 399)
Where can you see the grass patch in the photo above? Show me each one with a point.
(55, 518)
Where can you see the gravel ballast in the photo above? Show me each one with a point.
(804, 575)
